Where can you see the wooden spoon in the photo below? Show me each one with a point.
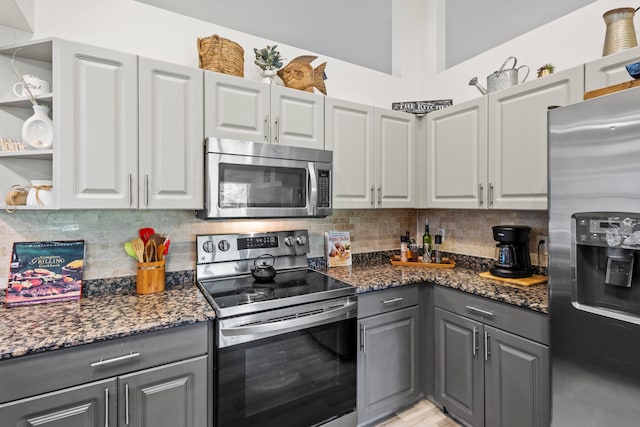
(138, 247)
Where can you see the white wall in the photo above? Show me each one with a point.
(417, 63)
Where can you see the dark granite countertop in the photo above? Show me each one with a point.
(376, 275)
(37, 328)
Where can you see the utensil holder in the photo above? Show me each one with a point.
(150, 277)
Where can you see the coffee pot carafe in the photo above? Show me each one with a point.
(512, 251)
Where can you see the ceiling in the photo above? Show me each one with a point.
(13, 15)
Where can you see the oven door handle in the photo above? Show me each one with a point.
(290, 324)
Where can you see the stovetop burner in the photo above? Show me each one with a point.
(242, 294)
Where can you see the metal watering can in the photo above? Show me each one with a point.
(501, 79)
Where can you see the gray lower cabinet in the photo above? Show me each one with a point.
(487, 375)
(388, 353)
(157, 379)
(87, 405)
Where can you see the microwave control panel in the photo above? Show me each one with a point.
(324, 188)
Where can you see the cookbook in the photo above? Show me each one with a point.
(338, 248)
(45, 272)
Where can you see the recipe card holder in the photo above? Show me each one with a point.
(150, 277)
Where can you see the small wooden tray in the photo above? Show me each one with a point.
(525, 281)
(446, 263)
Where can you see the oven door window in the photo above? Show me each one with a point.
(254, 186)
(300, 378)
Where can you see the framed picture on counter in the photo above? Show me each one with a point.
(45, 272)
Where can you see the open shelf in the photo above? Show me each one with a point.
(30, 154)
(46, 99)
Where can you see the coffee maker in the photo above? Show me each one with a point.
(512, 251)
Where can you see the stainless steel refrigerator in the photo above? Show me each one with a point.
(594, 261)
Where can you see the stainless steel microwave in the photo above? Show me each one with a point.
(253, 180)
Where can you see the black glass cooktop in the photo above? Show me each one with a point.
(243, 294)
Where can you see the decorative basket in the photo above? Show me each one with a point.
(221, 55)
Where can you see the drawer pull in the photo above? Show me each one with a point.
(392, 300)
(480, 311)
(102, 362)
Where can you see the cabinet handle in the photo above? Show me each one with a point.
(126, 404)
(276, 129)
(490, 194)
(267, 128)
(379, 196)
(362, 335)
(392, 300)
(102, 362)
(486, 346)
(130, 190)
(481, 194)
(106, 407)
(480, 311)
(146, 189)
(475, 341)
(373, 196)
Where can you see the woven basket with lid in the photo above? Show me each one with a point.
(221, 55)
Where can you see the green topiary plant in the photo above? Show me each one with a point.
(268, 58)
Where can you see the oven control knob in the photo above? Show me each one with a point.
(301, 240)
(208, 246)
(224, 245)
(288, 241)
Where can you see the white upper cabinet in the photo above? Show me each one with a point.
(395, 167)
(96, 105)
(457, 155)
(171, 151)
(298, 117)
(349, 134)
(609, 70)
(517, 168)
(373, 160)
(238, 108)
(491, 152)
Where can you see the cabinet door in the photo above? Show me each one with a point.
(517, 170)
(97, 113)
(459, 366)
(173, 395)
(457, 156)
(89, 405)
(395, 163)
(297, 118)
(609, 70)
(349, 133)
(236, 108)
(387, 363)
(171, 136)
(516, 381)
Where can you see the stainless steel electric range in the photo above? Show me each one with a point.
(285, 345)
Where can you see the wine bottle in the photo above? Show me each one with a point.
(426, 242)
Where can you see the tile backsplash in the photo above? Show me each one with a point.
(105, 232)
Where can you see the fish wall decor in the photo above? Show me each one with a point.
(300, 74)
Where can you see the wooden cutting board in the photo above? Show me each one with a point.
(446, 263)
(525, 281)
(611, 89)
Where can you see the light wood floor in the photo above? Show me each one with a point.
(421, 414)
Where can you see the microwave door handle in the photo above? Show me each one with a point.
(312, 190)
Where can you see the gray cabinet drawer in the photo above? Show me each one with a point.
(519, 321)
(57, 369)
(377, 302)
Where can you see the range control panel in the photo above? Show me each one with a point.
(213, 248)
